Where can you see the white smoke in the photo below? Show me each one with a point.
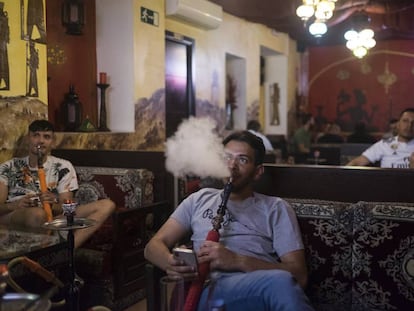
(196, 150)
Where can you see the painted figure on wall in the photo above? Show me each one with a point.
(35, 18)
(348, 117)
(4, 41)
(274, 104)
(33, 65)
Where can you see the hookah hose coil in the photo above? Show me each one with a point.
(194, 292)
(38, 269)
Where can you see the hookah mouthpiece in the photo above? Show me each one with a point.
(39, 156)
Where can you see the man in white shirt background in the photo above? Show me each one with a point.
(393, 152)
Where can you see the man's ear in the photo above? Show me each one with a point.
(259, 171)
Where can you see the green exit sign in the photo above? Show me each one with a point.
(148, 16)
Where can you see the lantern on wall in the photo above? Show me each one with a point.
(73, 17)
(72, 110)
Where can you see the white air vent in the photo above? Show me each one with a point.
(201, 13)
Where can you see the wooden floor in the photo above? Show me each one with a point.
(140, 306)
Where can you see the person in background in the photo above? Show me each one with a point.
(20, 196)
(253, 126)
(360, 135)
(259, 261)
(332, 135)
(302, 139)
(392, 129)
(394, 152)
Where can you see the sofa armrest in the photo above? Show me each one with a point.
(132, 230)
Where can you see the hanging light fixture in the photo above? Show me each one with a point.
(306, 10)
(320, 10)
(318, 28)
(73, 17)
(360, 38)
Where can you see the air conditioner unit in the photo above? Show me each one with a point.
(201, 13)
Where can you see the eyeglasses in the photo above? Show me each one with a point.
(239, 159)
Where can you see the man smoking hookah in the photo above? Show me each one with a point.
(259, 261)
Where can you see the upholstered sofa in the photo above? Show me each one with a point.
(357, 227)
(360, 255)
(111, 262)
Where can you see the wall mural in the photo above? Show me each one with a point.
(4, 56)
(22, 29)
(346, 90)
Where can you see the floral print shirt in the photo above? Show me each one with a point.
(21, 179)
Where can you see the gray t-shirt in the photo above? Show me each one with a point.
(261, 226)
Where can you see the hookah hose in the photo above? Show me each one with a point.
(194, 292)
(43, 187)
(38, 269)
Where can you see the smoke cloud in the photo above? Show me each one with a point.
(196, 150)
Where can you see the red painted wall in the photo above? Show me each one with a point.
(77, 64)
(346, 90)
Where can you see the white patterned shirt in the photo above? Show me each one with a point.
(21, 179)
(390, 152)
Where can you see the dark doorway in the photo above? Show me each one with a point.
(179, 87)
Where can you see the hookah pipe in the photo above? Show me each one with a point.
(196, 287)
(43, 187)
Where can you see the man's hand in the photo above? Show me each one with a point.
(411, 160)
(178, 267)
(29, 200)
(220, 257)
(49, 197)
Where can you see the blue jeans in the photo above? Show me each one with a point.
(261, 290)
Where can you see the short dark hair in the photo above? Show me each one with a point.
(41, 125)
(406, 110)
(253, 125)
(252, 140)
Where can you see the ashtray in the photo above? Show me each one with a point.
(61, 224)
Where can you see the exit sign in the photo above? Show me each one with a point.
(149, 17)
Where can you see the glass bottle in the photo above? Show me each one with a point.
(72, 110)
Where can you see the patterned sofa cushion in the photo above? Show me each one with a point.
(129, 188)
(327, 234)
(383, 256)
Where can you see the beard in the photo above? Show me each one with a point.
(241, 182)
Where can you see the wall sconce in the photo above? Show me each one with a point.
(73, 17)
(321, 10)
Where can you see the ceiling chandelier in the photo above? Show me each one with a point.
(360, 38)
(319, 11)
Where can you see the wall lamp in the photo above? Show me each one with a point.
(73, 17)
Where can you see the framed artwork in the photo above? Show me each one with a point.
(274, 102)
(275, 109)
